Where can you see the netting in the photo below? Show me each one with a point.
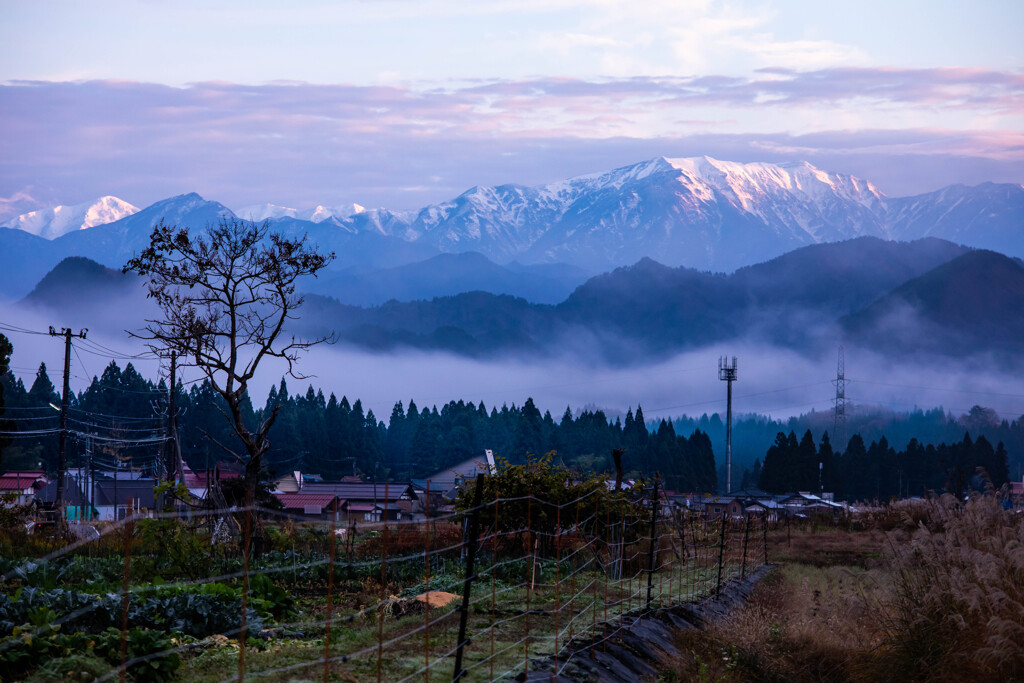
(471, 595)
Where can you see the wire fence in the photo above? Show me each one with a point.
(255, 594)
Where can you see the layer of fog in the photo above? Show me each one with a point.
(772, 381)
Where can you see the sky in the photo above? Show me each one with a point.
(402, 103)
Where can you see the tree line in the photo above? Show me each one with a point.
(335, 437)
(878, 471)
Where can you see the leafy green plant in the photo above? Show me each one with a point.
(80, 655)
(275, 601)
(45, 576)
(174, 610)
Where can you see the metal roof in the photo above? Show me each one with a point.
(292, 501)
(140, 490)
(362, 492)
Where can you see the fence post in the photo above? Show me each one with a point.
(129, 528)
(764, 534)
(243, 632)
(330, 591)
(383, 585)
(652, 553)
(474, 529)
(426, 603)
(746, 535)
(721, 551)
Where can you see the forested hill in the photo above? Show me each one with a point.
(924, 296)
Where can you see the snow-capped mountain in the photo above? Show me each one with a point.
(706, 213)
(318, 214)
(59, 220)
(697, 212)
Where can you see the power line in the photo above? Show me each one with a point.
(956, 391)
(21, 330)
(34, 433)
(753, 395)
(91, 346)
(125, 418)
(84, 369)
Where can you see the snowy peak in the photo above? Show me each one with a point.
(318, 214)
(698, 212)
(60, 220)
(747, 182)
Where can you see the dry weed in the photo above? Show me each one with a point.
(957, 604)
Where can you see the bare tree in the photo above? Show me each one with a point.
(225, 298)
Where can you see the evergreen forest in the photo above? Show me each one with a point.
(120, 420)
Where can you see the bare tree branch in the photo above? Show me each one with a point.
(225, 298)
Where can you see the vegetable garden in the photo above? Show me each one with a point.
(531, 563)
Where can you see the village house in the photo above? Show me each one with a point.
(23, 484)
(314, 506)
(366, 501)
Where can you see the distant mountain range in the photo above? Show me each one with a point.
(697, 212)
(929, 296)
(60, 220)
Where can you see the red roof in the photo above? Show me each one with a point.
(294, 501)
(197, 480)
(19, 481)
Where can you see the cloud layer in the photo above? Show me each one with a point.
(908, 130)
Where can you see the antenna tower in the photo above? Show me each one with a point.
(727, 373)
(839, 426)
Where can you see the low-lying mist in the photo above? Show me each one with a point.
(773, 381)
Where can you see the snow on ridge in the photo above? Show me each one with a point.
(317, 214)
(59, 220)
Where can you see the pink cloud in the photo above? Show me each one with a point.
(302, 144)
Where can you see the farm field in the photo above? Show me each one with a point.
(911, 591)
(162, 599)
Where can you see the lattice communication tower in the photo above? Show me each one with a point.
(839, 424)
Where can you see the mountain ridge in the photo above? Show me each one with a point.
(697, 212)
(649, 311)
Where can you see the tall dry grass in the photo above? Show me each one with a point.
(956, 608)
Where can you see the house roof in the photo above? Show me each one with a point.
(140, 490)
(363, 491)
(467, 469)
(19, 481)
(360, 507)
(715, 500)
(750, 492)
(293, 501)
(72, 494)
(767, 504)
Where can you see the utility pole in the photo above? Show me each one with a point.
(64, 400)
(727, 373)
(173, 468)
(92, 477)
